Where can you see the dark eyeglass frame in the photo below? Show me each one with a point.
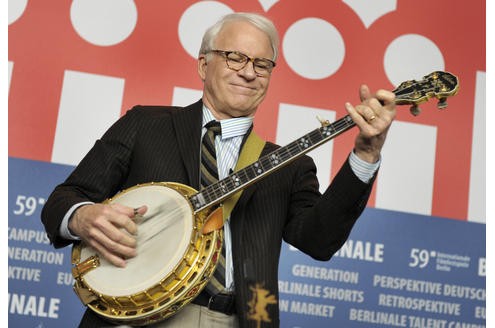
(245, 59)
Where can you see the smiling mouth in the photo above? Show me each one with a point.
(243, 87)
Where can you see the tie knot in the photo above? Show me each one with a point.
(214, 126)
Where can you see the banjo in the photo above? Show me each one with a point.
(180, 236)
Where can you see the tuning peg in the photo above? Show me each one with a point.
(415, 110)
(442, 103)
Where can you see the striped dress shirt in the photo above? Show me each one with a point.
(227, 146)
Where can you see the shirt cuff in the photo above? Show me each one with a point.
(64, 226)
(362, 169)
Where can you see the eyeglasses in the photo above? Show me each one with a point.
(237, 60)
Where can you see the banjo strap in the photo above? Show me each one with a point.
(250, 153)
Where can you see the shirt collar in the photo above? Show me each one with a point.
(231, 127)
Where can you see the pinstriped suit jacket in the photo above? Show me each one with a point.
(156, 143)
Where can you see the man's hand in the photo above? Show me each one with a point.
(109, 229)
(373, 117)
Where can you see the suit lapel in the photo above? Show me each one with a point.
(187, 124)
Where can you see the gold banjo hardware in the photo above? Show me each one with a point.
(165, 295)
(179, 237)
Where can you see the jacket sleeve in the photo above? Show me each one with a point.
(318, 224)
(97, 177)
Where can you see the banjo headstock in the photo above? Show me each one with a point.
(438, 85)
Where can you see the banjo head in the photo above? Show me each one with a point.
(173, 264)
(163, 237)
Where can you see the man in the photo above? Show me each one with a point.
(236, 60)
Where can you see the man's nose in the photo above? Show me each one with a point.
(248, 70)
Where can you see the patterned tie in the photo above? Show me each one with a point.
(209, 170)
(209, 175)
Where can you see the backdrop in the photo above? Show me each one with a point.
(75, 67)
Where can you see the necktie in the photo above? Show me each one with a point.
(209, 175)
(209, 170)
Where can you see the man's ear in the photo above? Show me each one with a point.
(202, 66)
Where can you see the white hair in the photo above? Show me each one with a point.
(261, 22)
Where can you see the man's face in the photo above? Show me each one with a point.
(229, 93)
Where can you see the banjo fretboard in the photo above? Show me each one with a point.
(216, 192)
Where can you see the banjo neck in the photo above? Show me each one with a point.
(438, 84)
(267, 164)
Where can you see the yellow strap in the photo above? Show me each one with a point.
(249, 154)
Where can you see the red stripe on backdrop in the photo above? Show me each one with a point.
(37, 48)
